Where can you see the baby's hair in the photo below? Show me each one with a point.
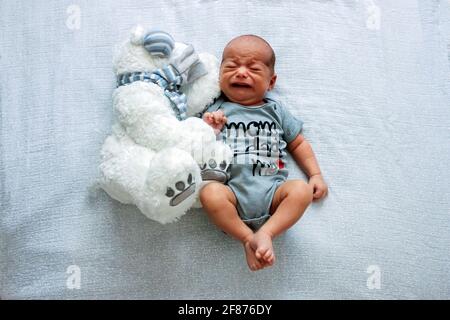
(271, 62)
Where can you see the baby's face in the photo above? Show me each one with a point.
(244, 73)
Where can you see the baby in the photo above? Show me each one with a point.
(258, 203)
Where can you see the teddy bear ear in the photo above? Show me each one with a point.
(159, 43)
(137, 35)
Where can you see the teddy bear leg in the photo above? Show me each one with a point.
(124, 167)
(171, 185)
(212, 156)
(214, 168)
(216, 160)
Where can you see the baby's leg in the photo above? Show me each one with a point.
(219, 203)
(288, 205)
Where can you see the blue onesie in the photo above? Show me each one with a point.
(258, 137)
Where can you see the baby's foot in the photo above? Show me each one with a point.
(253, 263)
(261, 243)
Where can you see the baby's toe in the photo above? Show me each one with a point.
(261, 252)
(255, 265)
(268, 254)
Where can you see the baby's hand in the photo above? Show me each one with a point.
(215, 119)
(320, 188)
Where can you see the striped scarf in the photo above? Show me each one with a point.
(169, 79)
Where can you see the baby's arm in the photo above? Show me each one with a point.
(215, 119)
(303, 154)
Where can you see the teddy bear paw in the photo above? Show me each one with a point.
(213, 171)
(181, 190)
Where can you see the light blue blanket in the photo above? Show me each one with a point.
(369, 78)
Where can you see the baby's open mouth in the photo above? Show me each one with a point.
(240, 85)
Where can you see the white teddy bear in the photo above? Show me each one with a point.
(158, 151)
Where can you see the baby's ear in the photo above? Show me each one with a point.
(273, 79)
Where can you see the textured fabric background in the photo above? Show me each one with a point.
(369, 78)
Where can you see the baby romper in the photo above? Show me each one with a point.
(258, 137)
